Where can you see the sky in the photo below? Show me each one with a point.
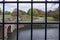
(26, 6)
(51, 6)
(1, 6)
(10, 6)
(40, 6)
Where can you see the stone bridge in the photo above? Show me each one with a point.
(9, 28)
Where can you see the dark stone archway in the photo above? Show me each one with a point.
(9, 32)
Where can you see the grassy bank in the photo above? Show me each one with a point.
(27, 17)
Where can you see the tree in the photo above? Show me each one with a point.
(54, 14)
(14, 13)
(36, 12)
(20, 12)
(49, 13)
(7, 13)
(41, 13)
(0, 11)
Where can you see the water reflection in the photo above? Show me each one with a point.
(38, 34)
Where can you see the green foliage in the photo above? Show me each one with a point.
(7, 13)
(41, 12)
(0, 12)
(8, 16)
(25, 19)
(36, 12)
(54, 14)
(23, 16)
(21, 12)
(50, 18)
(14, 13)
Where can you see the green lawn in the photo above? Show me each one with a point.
(8, 16)
(0, 15)
(50, 19)
(27, 18)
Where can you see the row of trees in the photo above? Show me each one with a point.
(6, 12)
(36, 12)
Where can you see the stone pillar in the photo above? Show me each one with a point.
(13, 27)
(5, 32)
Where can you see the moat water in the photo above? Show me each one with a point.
(38, 34)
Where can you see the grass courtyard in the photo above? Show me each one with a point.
(26, 18)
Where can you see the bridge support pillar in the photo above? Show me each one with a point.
(5, 32)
